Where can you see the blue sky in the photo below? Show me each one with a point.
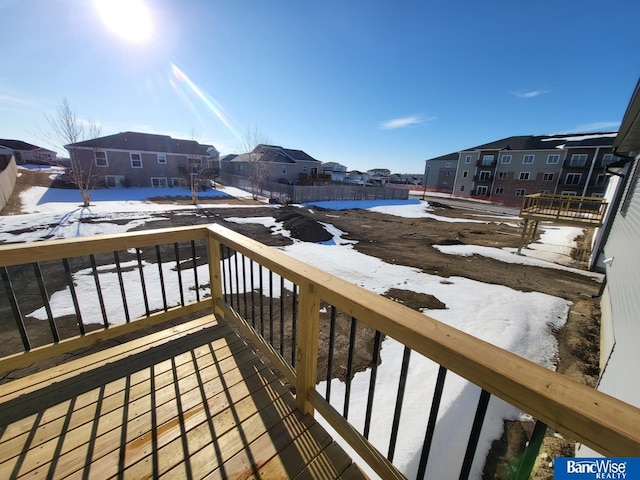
(369, 84)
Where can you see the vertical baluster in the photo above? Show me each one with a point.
(253, 298)
(123, 294)
(74, 296)
(483, 403)
(244, 285)
(352, 344)
(161, 276)
(332, 344)
(282, 316)
(232, 253)
(399, 400)
(96, 278)
(15, 308)
(372, 382)
(195, 269)
(431, 424)
(45, 300)
(531, 452)
(261, 297)
(270, 307)
(179, 272)
(142, 283)
(294, 325)
(235, 258)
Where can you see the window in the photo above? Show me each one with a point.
(314, 170)
(178, 182)
(524, 176)
(467, 159)
(573, 178)
(482, 190)
(499, 191)
(157, 182)
(547, 177)
(487, 160)
(114, 181)
(528, 159)
(600, 179)
(284, 170)
(465, 174)
(162, 159)
(462, 188)
(447, 165)
(194, 163)
(502, 175)
(553, 159)
(544, 192)
(136, 160)
(578, 160)
(505, 159)
(608, 159)
(238, 167)
(568, 193)
(101, 159)
(485, 175)
(520, 192)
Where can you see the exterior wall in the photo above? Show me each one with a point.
(621, 302)
(439, 176)
(463, 186)
(593, 179)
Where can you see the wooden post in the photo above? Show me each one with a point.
(523, 236)
(307, 347)
(215, 273)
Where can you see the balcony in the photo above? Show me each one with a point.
(569, 209)
(191, 399)
(483, 178)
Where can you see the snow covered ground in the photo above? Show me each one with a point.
(519, 322)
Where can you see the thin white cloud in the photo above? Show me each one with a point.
(404, 122)
(530, 93)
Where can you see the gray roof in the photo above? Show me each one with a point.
(276, 154)
(20, 145)
(548, 142)
(144, 142)
(450, 157)
(628, 139)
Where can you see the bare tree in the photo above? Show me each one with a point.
(257, 170)
(66, 129)
(196, 173)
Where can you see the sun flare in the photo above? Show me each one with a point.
(129, 19)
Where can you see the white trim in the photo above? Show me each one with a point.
(106, 159)
(164, 180)
(528, 175)
(557, 158)
(162, 158)
(528, 156)
(118, 181)
(131, 160)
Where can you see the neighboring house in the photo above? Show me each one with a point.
(337, 171)
(505, 170)
(25, 153)
(141, 159)
(273, 163)
(620, 301)
(440, 172)
(355, 176)
(379, 176)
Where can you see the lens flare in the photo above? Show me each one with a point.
(210, 103)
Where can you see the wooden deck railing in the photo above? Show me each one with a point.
(284, 324)
(564, 208)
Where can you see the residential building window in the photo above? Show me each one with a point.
(447, 165)
(485, 175)
(314, 170)
(524, 176)
(238, 167)
(194, 163)
(608, 159)
(520, 192)
(573, 178)
(465, 174)
(544, 192)
(568, 193)
(482, 190)
(467, 159)
(101, 159)
(528, 159)
(502, 175)
(578, 160)
(157, 182)
(462, 188)
(487, 160)
(178, 182)
(505, 159)
(499, 191)
(547, 177)
(284, 170)
(553, 159)
(446, 174)
(600, 179)
(114, 181)
(136, 160)
(597, 195)
(304, 168)
(162, 158)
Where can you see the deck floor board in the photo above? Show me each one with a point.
(192, 403)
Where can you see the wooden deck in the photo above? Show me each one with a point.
(192, 401)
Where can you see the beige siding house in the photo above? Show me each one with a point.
(132, 159)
